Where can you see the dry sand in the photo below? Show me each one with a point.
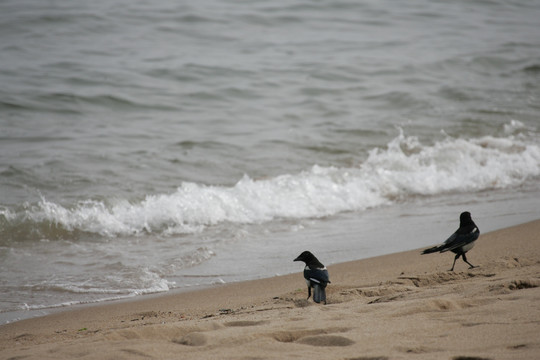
(399, 306)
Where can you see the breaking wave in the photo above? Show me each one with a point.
(404, 169)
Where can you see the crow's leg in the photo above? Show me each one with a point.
(465, 259)
(454, 264)
(308, 292)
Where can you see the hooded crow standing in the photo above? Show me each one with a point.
(461, 241)
(316, 276)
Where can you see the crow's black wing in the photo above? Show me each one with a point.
(319, 276)
(458, 240)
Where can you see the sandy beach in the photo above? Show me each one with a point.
(398, 306)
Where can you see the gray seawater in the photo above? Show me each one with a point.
(152, 146)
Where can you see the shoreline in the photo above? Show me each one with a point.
(342, 231)
(378, 293)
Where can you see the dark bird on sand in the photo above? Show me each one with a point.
(316, 276)
(461, 241)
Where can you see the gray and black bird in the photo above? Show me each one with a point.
(316, 276)
(461, 241)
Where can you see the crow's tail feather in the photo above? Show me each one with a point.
(431, 250)
(319, 294)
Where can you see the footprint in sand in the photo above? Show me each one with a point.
(314, 337)
(243, 323)
(326, 340)
(192, 339)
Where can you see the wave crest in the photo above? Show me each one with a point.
(405, 168)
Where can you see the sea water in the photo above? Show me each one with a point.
(153, 146)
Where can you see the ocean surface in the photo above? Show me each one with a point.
(156, 146)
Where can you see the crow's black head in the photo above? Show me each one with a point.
(465, 218)
(309, 259)
(306, 257)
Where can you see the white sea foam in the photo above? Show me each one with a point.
(126, 280)
(405, 168)
(27, 307)
(113, 294)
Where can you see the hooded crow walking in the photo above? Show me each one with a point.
(461, 241)
(316, 276)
